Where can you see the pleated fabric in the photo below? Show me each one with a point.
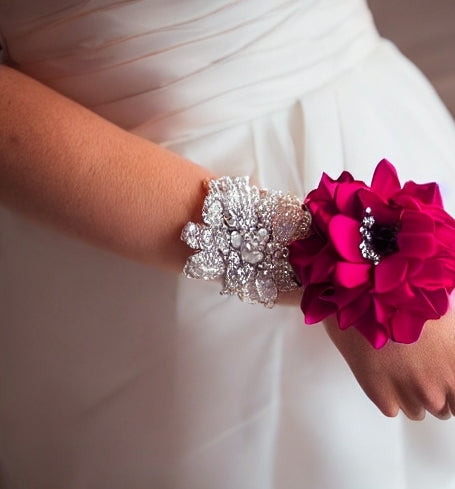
(116, 375)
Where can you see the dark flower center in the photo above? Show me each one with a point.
(384, 239)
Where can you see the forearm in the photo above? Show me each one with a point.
(68, 167)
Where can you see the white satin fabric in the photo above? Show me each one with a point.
(114, 375)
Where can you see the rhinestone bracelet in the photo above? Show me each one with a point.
(244, 239)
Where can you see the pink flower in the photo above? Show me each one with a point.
(379, 257)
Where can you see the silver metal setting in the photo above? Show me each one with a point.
(244, 239)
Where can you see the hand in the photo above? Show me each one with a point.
(414, 378)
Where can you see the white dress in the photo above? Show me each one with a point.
(114, 375)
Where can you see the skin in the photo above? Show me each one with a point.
(414, 378)
(70, 169)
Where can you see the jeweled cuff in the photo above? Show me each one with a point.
(244, 239)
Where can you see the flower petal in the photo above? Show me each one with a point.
(346, 198)
(417, 245)
(352, 275)
(403, 293)
(416, 222)
(439, 299)
(434, 274)
(313, 306)
(407, 201)
(341, 296)
(414, 267)
(427, 193)
(323, 265)
(302, 252)
(406, 328)
(423, 306)
(351, 313)
(345, 235)
(322, 212)
(372, 330)
(327, 187)
(390, 272)
(345, 177)
(383, 311)
(385, 180)
(383, 213)
(445, 231)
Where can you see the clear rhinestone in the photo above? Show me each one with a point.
(250, 254)
(266, 288)
(213, 213)
(263, 235)
(206, 237)
(190, 234)
(236, 239)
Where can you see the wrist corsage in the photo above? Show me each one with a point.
(378, 257)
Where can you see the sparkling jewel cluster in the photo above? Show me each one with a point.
(244, 239)
(366, 245)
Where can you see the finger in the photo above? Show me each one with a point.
(413, 412)
(444, 416)
(425, 396)
(443, 413)
(410, 402)
(435, 400)
(383, 395)
(389, 408)
(415, 405)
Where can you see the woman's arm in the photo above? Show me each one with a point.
(68, 167)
